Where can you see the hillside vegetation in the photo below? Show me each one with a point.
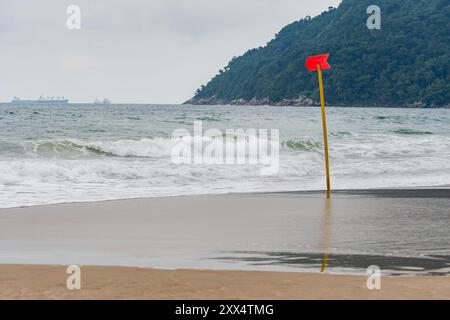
(406, 63)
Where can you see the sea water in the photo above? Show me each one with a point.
(75, 153)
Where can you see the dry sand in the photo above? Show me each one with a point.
(49, 282)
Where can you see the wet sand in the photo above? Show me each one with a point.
(49, 282)
(397, 230)
(404, 232)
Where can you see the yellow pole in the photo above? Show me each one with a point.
(325, 134)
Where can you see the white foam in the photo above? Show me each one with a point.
(143, 168)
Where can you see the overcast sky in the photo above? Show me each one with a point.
(137, 51)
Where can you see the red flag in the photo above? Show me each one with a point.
(313, 61)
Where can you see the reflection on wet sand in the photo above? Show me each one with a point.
(327, 221)
(436, 265)
(403, 232)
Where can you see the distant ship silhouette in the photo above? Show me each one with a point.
(104, 101)
(41, 100)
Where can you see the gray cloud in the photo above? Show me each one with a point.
(156, 51)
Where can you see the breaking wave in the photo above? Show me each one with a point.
(305, 144)
(412, 132)
(126, 153)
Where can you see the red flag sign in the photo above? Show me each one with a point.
(313, 61)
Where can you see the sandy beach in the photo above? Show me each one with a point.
(227, 150)
(253, 246)
(48, 282)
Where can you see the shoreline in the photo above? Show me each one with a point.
(46, 282)
(313, 105)
(430, 191)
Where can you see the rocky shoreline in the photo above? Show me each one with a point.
(301, 101)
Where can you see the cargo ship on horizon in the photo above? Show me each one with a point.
(42, 100)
